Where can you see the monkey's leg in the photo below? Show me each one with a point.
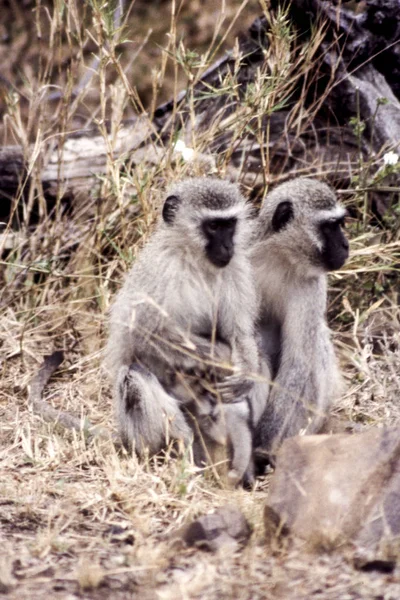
(296, 400)
(285, 415)
(291, 408)
(302, 396)
(330, 382)
(148, 418)
(241, 442)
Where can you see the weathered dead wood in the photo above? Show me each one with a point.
(357, 64)
(348, 75)
(364, 50)
(370, 36)
(80, 159)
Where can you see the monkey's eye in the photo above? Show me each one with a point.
(230, 224)
(333, 224)
(212, 226)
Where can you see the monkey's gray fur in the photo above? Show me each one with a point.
(225, 431)
(179, 314)
(151, 418)
(298, 240)
(146, 414)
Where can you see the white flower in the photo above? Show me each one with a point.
(390, 158)
(187, 153)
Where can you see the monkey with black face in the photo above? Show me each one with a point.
(189, 304)
(299, 239)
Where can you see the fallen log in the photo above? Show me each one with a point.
(353, 75)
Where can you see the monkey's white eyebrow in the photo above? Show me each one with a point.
(332, 215)
(227, 213)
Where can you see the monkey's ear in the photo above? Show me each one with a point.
(169, 209)
(282, 215)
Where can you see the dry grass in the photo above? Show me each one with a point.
(79, 520)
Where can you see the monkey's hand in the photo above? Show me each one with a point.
(233, 387)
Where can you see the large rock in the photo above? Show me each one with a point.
(331, 490)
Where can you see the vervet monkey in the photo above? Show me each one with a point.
(188, 306)
(299, 239)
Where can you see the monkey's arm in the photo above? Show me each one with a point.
(187, 352)
(240, 436)
(186, 364)
(195, 364)
(246, 364)
(294, 400)
(142, 332)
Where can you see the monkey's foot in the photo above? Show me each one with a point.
(131, 385)
(264, 458)
(233, 479)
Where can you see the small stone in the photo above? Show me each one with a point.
(226, 526)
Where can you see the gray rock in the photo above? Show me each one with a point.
(226, 526)
(337, 490)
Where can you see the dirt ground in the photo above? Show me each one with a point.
(80, 521)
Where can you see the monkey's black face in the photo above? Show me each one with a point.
(219, 234)
(335, 249)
